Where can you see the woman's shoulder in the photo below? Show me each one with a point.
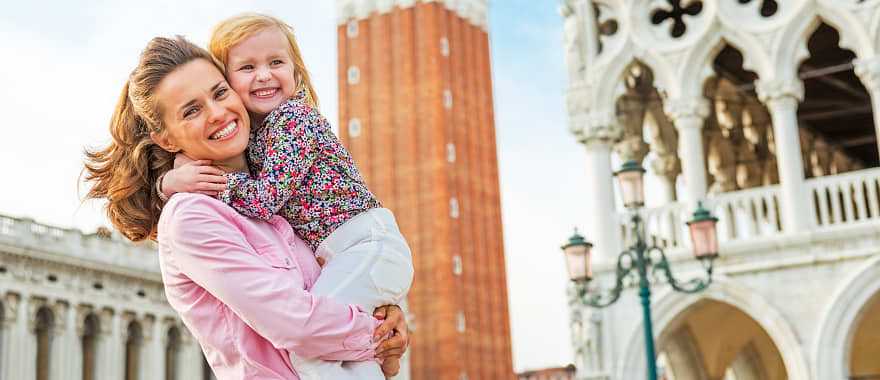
(185, 208)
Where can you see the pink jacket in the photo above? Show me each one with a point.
(241, 287)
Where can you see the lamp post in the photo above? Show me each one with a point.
(641, 258)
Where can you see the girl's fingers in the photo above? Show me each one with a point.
(207, 186)
(211, 178)
(208, 169)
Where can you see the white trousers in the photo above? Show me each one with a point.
(368, 264)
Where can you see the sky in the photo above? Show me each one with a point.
(64, 64)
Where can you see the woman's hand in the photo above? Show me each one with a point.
(190, 176)
(392, 348)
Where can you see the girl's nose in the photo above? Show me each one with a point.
(262, 75)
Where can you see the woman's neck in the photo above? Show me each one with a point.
(233, 164)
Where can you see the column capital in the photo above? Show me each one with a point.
(596, 127)
(868, 70)
(775, 89)
(678, 109)
(10, 308)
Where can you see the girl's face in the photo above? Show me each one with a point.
(203, 117)
(261, 70)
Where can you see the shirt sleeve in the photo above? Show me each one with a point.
(209, 247)
(291, 148)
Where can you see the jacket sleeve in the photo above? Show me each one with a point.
(291, 149)
(209, 247)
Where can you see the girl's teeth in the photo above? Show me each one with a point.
(265, 92)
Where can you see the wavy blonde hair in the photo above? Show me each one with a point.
(235, 29)
(126, 171)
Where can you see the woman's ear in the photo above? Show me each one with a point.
(162, 140)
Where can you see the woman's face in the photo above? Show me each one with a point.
(203, 117)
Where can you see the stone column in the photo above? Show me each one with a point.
(14, 336)
(111, 346)
(63, 342)
(664, 145)
(152, 350)
(598, 135)
(781, 98)
(689, 115)
(868, 70)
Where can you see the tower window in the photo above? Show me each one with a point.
(444, 46)
(351, 29)
(453, 208)
(456, 265)
(354, 75)
(447, 99)
(354, 127)
(461, 322)
(450, 152)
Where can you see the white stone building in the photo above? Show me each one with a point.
(88, 307)
(768, 112)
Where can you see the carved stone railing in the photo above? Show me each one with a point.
(107, 250)
(848, 198)
(839, 200)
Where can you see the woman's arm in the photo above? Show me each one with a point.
(291, 148)
(209, 247)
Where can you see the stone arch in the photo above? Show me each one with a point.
(671, 305)
(134, 338)
(852, 35)
(702, 57)
(172, 352)
(831, 349)
(792, 49)
(89, 341)
(44, 323)
(605, 92)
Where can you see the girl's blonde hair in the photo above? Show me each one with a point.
(126, 171)
(235, 29)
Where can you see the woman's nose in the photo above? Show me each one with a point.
(215, 112)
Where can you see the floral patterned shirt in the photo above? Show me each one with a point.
(300, 171)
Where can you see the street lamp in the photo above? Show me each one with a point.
(641, 257)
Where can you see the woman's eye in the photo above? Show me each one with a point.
(221, 93)
(190, 111)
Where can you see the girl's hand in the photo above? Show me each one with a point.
(393, 323)
(193, 177)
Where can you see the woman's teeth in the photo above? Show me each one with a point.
(224, 132)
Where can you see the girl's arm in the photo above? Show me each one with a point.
(208, 246)
(291, 148)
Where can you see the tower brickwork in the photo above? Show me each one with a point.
(416, 112)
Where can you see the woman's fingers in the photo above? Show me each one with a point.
(392, 318)
(394, 345)
(208, 193)
(391, 366)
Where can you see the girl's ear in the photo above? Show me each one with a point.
(161, 138)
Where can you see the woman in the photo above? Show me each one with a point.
(239, 285)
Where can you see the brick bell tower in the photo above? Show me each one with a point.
(416, 112)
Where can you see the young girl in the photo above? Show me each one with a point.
(300, 170)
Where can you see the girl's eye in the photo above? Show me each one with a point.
(277, 62)
(246, 67)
